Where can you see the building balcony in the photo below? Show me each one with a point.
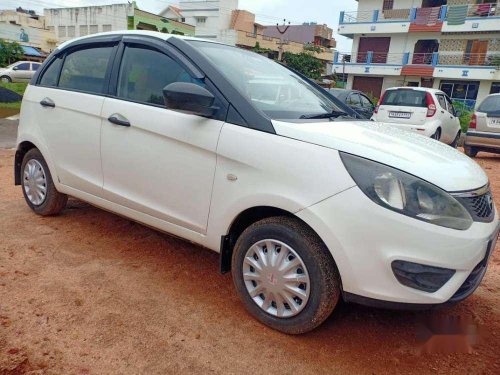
(446, 18)
(437, 64)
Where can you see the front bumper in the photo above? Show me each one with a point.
(365, 238)
(485, 140)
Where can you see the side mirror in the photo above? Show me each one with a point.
(458, 113)
(189, 98)
(15, 68)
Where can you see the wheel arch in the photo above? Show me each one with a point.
(22, 149)
(246, 218)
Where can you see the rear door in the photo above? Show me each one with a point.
(403, 106)
(488, 115)
(66, 104)
(445, 113)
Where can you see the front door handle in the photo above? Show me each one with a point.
(47, 102)
(118, 120)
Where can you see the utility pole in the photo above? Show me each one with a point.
(281, 43)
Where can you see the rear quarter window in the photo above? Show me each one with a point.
(85, 70)
(406, 98)
(490, 104)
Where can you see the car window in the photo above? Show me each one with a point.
(269, 87)
(23, 66)
(405, 97)
(85, 69)
(365, 102)
(353, 99)
(35, 66)
(145, 72)
(449, 103)
(442, 101)
(50, 75)
(490, 104)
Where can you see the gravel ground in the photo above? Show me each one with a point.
(88, 292)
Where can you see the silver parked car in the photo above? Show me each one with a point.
(21, 71)
(484, 128)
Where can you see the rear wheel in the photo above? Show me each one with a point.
(6, 79)
(454, 144)
(437, 134)
(285, 275)
(38, 188)
(471, 151)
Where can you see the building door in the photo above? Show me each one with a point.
(369, 85)
(478, 50)
(378, 45)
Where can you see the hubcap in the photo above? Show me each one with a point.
(276, 278)
(35, 182)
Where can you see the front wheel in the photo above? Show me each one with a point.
(38, 188)
(284, 274)
(5, 79)
(471, 151)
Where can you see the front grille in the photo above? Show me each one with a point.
(480, 207)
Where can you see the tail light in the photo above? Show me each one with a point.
(375, 110)
(431, 106)
(473, 122)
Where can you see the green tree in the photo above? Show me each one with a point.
(10, 52)
(304, 63)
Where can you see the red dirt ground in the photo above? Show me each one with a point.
(88, 292)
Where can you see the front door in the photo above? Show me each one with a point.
(157, 161)
(22, 72)
(478, 50)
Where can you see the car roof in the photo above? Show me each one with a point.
(155, 34)
(426, 89)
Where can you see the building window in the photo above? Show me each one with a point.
(495, 88)
(71, 31)
(106, 27)
(388, 4)
(84, 30)
(93, 29)
(464, 92)
(200, 20)
(61, 31)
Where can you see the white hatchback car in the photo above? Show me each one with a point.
(305, 204)
(21, 71)
(429, 112)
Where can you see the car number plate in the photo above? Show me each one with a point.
(400, 114)
(495, 121)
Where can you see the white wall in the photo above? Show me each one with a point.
(217, 14)
(93, 18)
(366, 5)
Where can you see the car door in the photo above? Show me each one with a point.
(67, 105)
(157, 161)
(21, 72)
(454, 120)
(367, 106)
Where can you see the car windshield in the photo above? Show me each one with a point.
(405, 97)
(490, 105)
(272, 88)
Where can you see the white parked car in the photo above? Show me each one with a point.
(426, 111)
(21, 71)
(305, 204)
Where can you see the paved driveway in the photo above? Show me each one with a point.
(8, 133)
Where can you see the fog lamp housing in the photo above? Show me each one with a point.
(419, 276)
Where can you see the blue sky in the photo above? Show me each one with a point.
(269, 11)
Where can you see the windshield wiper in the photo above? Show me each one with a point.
(332, 114)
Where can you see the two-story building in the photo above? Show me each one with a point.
(452, 45)
(69, 23)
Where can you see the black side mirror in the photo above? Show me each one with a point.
(458, 113)
(189, 98)
(15, 68)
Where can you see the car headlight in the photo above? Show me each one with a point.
(406, 194)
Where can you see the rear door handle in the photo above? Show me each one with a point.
(47, 102)
(118, 120)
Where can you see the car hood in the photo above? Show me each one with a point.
(410, 152)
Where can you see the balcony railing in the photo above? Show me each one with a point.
(490, 59)
(416, 15)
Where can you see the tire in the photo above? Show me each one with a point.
(5, 79)
(52, 202)
(323, 279)
(454, 144)
(471, 151)
(437, 134)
